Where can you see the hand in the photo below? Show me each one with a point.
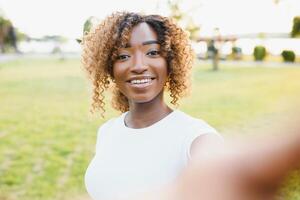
(240, 170)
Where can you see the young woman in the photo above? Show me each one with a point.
(147, 149)
(140, 57)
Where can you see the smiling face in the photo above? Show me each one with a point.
(140, 71)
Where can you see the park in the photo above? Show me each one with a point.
(47, 134)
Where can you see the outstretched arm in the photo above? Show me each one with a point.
(244, 169)
(241, 170)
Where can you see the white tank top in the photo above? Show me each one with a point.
(129, 161)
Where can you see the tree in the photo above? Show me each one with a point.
(193, 29)
(4, 29)
(88, 25)
(176, 13)
(190, 26)
(183, 19)
(296, 27)
(9, 35)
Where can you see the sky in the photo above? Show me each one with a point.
(65, 17)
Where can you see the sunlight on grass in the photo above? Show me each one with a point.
(47, 135)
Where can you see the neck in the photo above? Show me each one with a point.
(141, 115)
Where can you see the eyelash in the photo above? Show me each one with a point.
(153, 51)
(150, 53)
(121, 57)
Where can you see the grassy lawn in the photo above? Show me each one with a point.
(47, 136)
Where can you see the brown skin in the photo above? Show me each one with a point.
(141, 61)
(243, 170)
(102, 44)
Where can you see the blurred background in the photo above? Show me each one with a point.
(246, 78)
(236, 27)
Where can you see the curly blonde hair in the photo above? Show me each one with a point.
(101, 45)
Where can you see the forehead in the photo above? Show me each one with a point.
(142, 33)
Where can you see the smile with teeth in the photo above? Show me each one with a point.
(141, 81)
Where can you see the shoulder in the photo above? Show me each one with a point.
(107, 124)
(197, 125)
(110, 124)
(105, 130)
(198, 134)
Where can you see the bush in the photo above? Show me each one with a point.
(296, 27)
(259, 53)
(236, 53)
(288, 56)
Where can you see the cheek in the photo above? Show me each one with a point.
(116, 71)
(163, 69)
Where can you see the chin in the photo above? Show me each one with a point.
(143, 98)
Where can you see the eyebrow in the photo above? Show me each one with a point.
(145, 43)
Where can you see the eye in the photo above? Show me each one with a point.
(123, 57)
(153, 53)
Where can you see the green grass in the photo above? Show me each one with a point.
(47, 136)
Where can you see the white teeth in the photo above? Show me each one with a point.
(140, 81)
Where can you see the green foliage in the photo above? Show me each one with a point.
(296, 27)
(56, 38)
(236, 53)
(288, 55)
(176, 12)
(5, 24)
(21, 36)
(47, 137)
(193, 29)
(87, 26)
(183, 19)
(4, 21)
(56, 50)
(9, 34)
(259, 53)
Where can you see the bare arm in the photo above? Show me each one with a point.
(267, 162)
(243, 169)
(240, 170)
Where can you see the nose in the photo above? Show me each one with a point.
(138, 65)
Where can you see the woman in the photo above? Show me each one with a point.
(147, 147)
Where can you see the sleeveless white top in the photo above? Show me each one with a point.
(129, 161)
